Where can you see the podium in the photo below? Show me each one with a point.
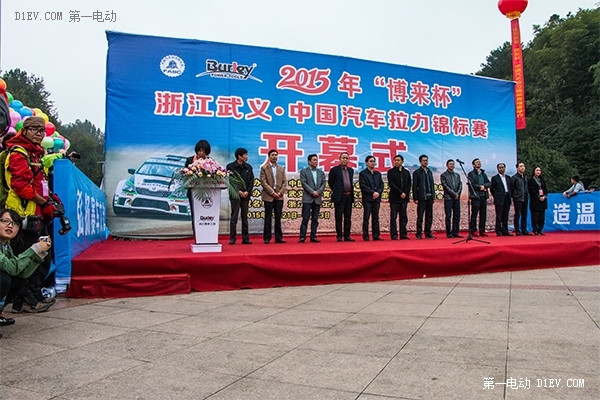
(205, 211)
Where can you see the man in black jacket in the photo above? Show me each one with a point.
(342, 197)
(500, 189)
(371, 187)
(241, 166)
(399, 181)
(520, 196)
(480, 185)
(452, 189)
(423, 195)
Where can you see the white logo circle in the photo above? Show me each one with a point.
(172, 66)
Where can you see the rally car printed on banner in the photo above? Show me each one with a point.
(149, 189)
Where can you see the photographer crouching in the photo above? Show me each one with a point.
(29, 195)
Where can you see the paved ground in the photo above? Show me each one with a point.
(512, 335)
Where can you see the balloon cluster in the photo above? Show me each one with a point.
(53, 141)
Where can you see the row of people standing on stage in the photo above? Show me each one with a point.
(516, 189)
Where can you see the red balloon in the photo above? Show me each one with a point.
(50, 128)
(512, 8)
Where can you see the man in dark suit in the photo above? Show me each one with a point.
(452, 185)
(342, 196)
(424, 195)
(371, 187)
(273, 182)
(399, 181)
(241, 166)
(480, 185)
(500, 189)
(313, 185)
(520, 197)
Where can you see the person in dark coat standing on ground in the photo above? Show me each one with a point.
(424, 195)
(480, 184)
(538, 194)
(371, 188)
(500, 189)
(241, 166)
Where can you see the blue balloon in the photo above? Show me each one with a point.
(16, 105)
(25, 112)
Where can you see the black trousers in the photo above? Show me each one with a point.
(5, 281)
(236, 205)
(520, 219)
(538, 218)
(452, 211)
(478, 208)
(502, 211)
(398, 209)
(343, 213)
(310, 211)
(273, 207)
(371, 210)
(424, 208)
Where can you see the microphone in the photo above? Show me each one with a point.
(459, 161)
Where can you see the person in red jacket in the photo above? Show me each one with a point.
(28, 196)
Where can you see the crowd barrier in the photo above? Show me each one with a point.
(85, 208)
(578, 213)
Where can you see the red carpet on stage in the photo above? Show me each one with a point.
(128, 268)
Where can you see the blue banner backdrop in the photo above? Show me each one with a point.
(85, 207)
(164, 94)
(578, 213)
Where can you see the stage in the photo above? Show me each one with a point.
(129, 268)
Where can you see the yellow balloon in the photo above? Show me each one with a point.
(37, 112)
(44, 116)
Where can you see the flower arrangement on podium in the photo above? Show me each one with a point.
(205, 175)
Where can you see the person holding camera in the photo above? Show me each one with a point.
(29, 196)
(15, 269)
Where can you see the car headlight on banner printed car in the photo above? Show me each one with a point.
(129, 187)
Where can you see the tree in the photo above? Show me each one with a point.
(88, 141)
(31, 90)
(562, 87)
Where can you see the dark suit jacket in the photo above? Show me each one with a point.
(370, 182)
(399, 182)
(534, 195)
(474, 181)
(497, 189)
(245, 171)
(336, 183)
(418, 184)
(518, 187)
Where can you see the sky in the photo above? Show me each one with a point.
(45, 39)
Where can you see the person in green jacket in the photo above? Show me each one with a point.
(16, 268)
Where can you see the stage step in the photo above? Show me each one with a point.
(124, 285)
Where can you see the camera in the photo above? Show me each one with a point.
(73, 156)
(65, 224)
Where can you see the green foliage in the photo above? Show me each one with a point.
(562, 87)
(498, 63)
(31, 91)
(88, 141)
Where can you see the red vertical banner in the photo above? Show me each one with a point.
(518, 76)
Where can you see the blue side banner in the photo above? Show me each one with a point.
(85, 207)
(578, 213)
(164, 94)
